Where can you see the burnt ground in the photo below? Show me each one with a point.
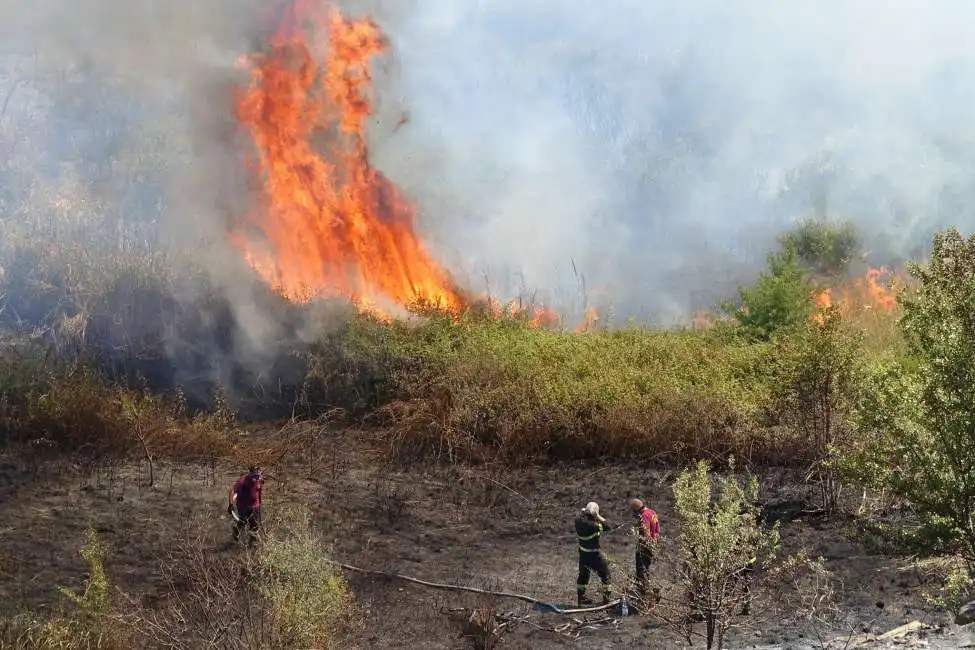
(508, 530)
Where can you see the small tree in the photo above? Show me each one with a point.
(825, 247)
(918, 416)
(720, 543)
(817, 393)
(781, 298)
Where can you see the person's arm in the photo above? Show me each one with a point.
(654, 527)
(232, 497)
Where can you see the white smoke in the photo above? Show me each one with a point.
(661, 147)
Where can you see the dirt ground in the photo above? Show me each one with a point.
(476, 527)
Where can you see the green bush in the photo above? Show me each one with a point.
(825, 248)
(93, 602)
(916, 415)
(781, 298)
(821, 370)
(720, 538)
(309, 602)
(90, 623)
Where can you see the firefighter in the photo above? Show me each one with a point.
(246, 496)
(590, 526)
(647, 531)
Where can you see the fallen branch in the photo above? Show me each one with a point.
(475, 590)
(897, 632)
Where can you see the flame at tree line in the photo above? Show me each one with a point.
(874, 293)
(877, 290)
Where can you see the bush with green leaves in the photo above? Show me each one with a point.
(821, 366)
(90, 622)
(721, 541)
(916, 416)
(307, 599)
(780, 299)
(824, 247)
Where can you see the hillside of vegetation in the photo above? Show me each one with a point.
(478, 386)
(130, 358)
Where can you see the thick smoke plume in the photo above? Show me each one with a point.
(642, 155)
(660, 147)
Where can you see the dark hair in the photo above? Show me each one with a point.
(253, 469)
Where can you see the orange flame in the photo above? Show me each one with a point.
(331, 224)
(590, 321)
(876, 291)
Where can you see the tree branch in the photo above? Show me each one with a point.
(475, 590)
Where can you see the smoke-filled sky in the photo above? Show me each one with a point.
(655, 148)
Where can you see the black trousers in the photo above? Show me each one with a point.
(589, 562)
(644, 558)
(250, 518)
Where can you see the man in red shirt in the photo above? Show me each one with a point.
(246, 495)
(647, 532)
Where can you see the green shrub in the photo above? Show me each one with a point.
(720, 538)
(824, 247)
(780, 299)
(91, 623)
(309, 602)
(94, 600)
(916, 415)
(821, 371)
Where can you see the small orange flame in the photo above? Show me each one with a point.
(875, 291)
(590, 321)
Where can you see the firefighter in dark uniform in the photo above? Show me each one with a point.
(589, 528)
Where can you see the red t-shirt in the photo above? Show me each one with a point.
(650, 523)
(248, 491)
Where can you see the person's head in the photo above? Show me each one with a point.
(592, 509)
(254, 469)
(636, 505)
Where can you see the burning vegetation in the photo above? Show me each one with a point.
(875, 291)
(329, 224)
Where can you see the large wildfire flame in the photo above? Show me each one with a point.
(331, 224)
